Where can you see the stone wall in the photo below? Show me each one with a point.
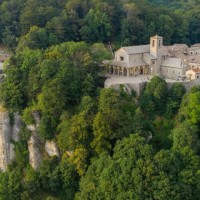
(188, 85)
(137, 87)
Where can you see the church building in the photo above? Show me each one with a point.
(152, 59)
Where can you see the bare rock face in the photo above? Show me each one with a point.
(51, 148)
(5, 136)
(16, 127)
(17, 123)
(35, 157)
(34, 144)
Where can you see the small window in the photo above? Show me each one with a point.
(197, 76)
(153, 61)
(191, 52)
(159, 43)
(196, 53)
(173, 71)
(153, 43)
(121, 58)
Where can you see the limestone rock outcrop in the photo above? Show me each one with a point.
(5, 136)
(8, 134)
(35, 144)
(35, 156)
(15, 128)
(51, 148)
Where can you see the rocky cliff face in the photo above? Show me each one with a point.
(8, 133)
(5, 136)
(36, 146)
(35, 156)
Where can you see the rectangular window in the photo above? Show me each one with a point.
(197, 76)
(153, 43)
(121, 58)
(153, 62)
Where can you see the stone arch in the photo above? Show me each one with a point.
(125, 72)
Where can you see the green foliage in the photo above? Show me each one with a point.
(97, 27)
(56, 21)
(21, 149)
(36, 38)
(46, 128)
(122, 173)
(28, 116)
(175, 96)
(98, 133)
(10, 185)
(49, 176)
(190, 107)
(154, 96)
(63, 128)
(186, 134)
(70, 179)
(161, 131)
(114, 119)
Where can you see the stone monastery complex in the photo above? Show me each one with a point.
(174, 63)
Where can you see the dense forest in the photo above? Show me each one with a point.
(121, 22)
(122, 146)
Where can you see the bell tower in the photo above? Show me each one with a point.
(156, 44)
